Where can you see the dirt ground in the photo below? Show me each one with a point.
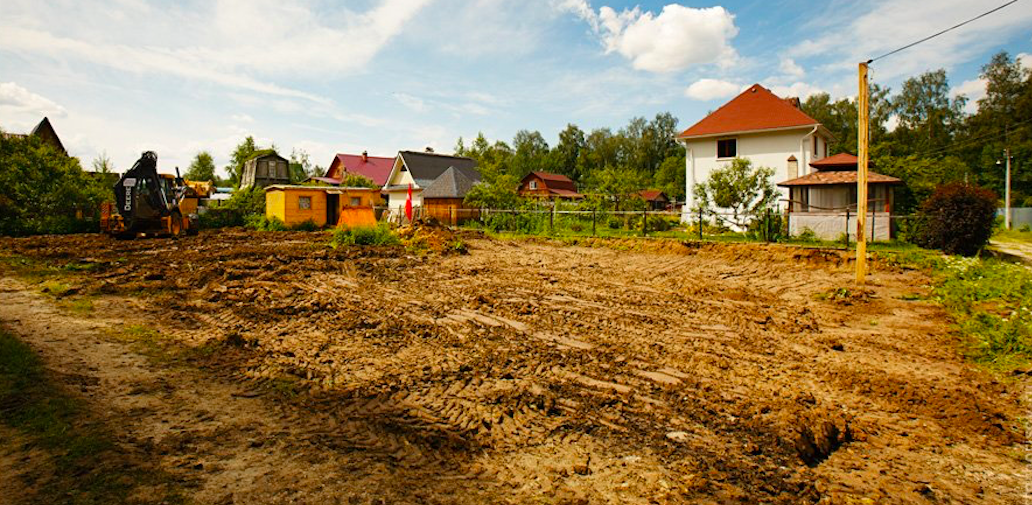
(638, 372)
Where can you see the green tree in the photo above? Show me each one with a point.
(840, 118)
(928, 117)
(920, 176)
(567, 152)
(530, 153)
(670, 176)
(243, 151)
(45, 191)
(745, 192)
(102, 164)
(202, 168)
(619, 184)
(301, 166)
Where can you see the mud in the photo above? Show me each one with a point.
(637, 372)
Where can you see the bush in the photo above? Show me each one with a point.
(807, 235)
(247, 202)
(262, 223)
(957, 219)
(369, 235)
(614, 223)
(306, 225)
(660, 223)
(220, 218)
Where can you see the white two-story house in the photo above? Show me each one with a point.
(768, 130)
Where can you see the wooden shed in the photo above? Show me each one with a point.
(322, 205)
(549, 186)
(444, 199)
(265, 168)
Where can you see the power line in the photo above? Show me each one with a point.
(930, 37)
(991, 136)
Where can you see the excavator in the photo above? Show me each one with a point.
(148, 203)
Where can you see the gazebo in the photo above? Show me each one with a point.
(824, 201)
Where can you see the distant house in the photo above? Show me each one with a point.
(265, 168)
(548, 186)
(768, 130)
(444, 199)
(825, 200)
(374, 168)
(655, 199)
(45, 132)
(420, 170)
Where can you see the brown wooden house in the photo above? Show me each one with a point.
(265, 168)
(549, 186)
(45, 132)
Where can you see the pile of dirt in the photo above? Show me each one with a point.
(431, 237)
(669, 373)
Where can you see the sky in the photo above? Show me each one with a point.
(122, 76)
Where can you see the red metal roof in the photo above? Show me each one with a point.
(565, 193)
(840, 160)
(554, 181)
(830, 177)
(376, 168)
(755, 109)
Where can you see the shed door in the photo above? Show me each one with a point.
(332, 209)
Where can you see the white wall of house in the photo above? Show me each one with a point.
(832, 225)
(770, 148)
(396, 198)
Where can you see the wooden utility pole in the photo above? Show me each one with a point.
(863, 110)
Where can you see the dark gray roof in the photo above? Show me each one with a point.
(429, 166)
(451, 184)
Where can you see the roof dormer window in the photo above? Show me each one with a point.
(727, 148)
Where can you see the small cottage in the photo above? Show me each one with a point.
(45, 132)
(655, 199)
(825, 201)
(444, 199)
(265, 168)
(322, 205)
(419, 170)
(548, 186)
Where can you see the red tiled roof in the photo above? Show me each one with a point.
(837, 161)
(375, 168)
(755, 109)
(651, 194)
(830, 177)
(547, 176)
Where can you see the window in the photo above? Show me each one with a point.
(533, 185)
(825, 149)
(304, 202)
(815, 146)
(259, 169)
(727, 148)
(356, 201)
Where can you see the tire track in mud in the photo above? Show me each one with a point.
(706, 373)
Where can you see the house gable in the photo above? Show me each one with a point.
(755, 109)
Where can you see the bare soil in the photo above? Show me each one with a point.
(634, 372)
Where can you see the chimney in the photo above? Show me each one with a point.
(429, 149)
(794, 102)
(365, 156)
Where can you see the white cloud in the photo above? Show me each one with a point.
(798, 89)
(791, 69)
(235, 43)
(18, 101)
(242, 118)
(678, 38)
(710, 89)
(416, 104)
(973, 90)
(855, 32)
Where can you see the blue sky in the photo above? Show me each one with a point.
(122, 76)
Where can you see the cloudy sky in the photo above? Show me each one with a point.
(123, 76)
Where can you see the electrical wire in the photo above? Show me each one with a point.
(966, 142)
(930, 37)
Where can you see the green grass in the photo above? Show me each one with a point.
(990, 300)
(86, 465)
(1015, 235)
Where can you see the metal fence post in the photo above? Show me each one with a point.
(592, 222)
(700, 223)
(847, 228)
(551, 219)
(645, 220)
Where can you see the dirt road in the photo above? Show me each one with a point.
(526, 372)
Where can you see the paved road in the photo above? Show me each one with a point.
(1022, 250)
